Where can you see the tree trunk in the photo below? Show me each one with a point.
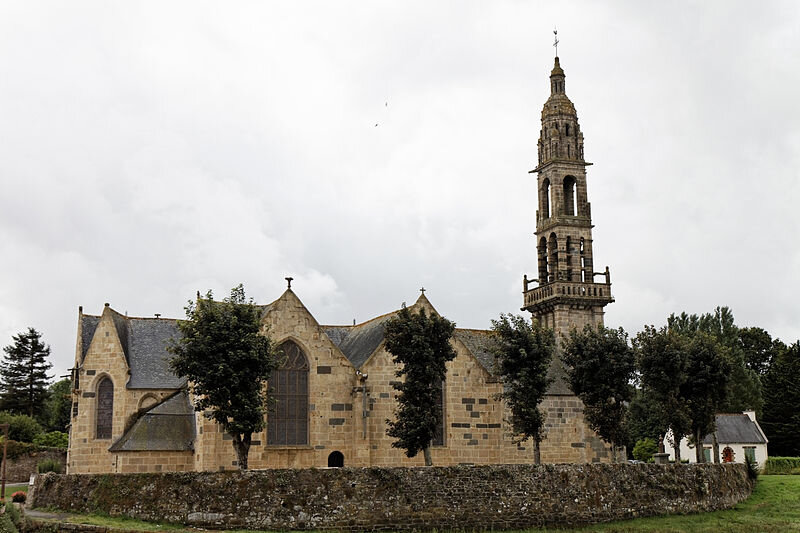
(676, 447)
(241, 443)
(537, 452)
(427, 453)
(715, 445)
(698, 447)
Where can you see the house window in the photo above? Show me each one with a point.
(287, 422)
(750, 453)
(707, 454)
(105, 408)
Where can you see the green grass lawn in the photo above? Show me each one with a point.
(773, 507)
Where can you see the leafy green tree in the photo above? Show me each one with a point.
(644, 449)
(57, 410)
(781, 418)
(21, 428)
(744, 386)
(662, 359)
(227, 360)
(601, 368)
(645, 420)
(705, 388)
(524, 352)
(23, 374)
(53, 439)
(760, 350)
(420, 344)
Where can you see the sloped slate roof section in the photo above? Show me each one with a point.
(168, 426)
(337, 334)
(149, 360)
(480, 343)
(736, 429)
(558, 374)
(88, 327)
(364, 339)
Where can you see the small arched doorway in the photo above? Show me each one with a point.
(335, 460)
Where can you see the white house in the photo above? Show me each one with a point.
(738, 435)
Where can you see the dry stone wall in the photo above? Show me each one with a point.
(456, 497)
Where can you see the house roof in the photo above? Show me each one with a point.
(167, 426)
(736, 428)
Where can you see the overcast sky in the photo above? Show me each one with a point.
(152, 149)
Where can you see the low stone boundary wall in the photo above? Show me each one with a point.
(21, 467)
(458, 497)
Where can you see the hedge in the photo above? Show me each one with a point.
(782, 465)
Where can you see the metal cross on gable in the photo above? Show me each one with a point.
(555, 40)
(422, 290)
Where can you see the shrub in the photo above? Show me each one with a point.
(12, 518)
(53, 439)
(782, 465)
(752, 469)
(19, 497)
(644, 449)
(49, 465)
(22, 428)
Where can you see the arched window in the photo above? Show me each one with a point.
(542, 251)
(105, 409)
(336, 460)
(570, 207)
(287, 422)
(566, 129)
(552, 259)
(569, 258)
(545, 202)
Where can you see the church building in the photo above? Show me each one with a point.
(333, 393)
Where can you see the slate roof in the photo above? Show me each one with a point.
(144, 343)
(167, 426)
(736, 429)
(480, 343)
(358, 342)
(88, 327)
(148, 358)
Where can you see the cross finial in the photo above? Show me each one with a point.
(555, 40)
(289, 282)
(422, 290)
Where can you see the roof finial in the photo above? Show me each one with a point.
(555, 40)
(422, 290)
(289, 282)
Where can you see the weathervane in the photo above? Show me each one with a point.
(555, 40)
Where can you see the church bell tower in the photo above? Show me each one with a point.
(567, 292)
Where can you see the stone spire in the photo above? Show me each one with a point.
(567, 294)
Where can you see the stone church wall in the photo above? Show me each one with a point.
(445, 498)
